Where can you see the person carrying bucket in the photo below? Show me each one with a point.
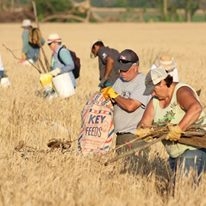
(61, 74)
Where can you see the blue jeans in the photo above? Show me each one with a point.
(189, 160)
(1, 73)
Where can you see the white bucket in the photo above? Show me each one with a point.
(5, 82)
(63, 85)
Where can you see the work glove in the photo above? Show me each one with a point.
(142, 132)
(104, 92)
(55, 72)
(102, 83)
(174, 133)
(46, 79)
(109, 92)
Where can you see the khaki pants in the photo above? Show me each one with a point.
(134, 162)
(124, 139)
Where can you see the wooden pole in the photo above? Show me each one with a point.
(35, 13)
(20, 58)
(137, 149)
(195, 137)
(165, 5)
(47, 69)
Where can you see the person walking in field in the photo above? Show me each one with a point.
(61, 61)
(128, 98)
(31, 43)
(167, 62)
(108, 63)
(4, 80)
(54, 42)
(176, 105)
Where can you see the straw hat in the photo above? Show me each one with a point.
(166, 61)
(54, 37)
(26, 23)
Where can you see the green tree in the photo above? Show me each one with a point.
(190, 7)
(52, 6)
(121, 3)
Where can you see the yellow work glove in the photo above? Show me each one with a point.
(104, 92)
(174, 133)
(55, 72)
(142, 132)
(109, 92)
(46, 79)
(112, 93)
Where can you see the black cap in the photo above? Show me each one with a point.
(127, 58)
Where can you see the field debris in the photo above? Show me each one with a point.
(53, 145)
(22, 147)
(63, 145)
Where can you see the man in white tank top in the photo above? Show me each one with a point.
(176, 105)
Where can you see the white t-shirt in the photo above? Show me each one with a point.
(1, 64)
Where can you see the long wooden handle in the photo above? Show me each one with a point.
(45, 59)
(20, 58)
(195, 141)
(41, 47)
(192, 138)
(132, 151)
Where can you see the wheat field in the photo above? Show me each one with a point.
(34, 175)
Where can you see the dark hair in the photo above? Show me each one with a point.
(98, 43)
(169, 80)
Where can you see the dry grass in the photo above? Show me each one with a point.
(34, 176)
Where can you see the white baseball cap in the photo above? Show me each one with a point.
(26, 23)
(54, 37)
(153, 77)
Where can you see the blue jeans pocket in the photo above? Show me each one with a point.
(189, 160)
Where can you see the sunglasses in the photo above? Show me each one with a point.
(125, 61)
(123, 71)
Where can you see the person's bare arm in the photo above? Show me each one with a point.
(108, 67)
(128, 104)
(189, 103)
(148, 116)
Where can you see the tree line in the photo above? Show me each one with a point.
(168, 8)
